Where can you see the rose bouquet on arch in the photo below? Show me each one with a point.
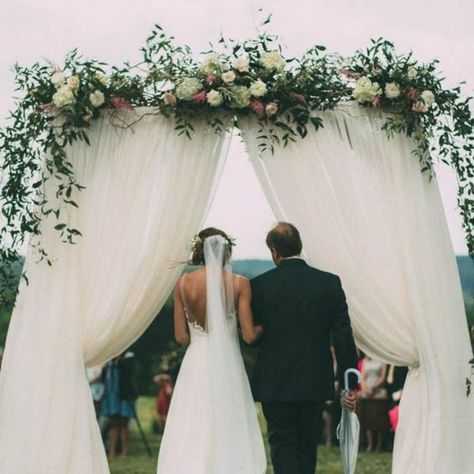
(251, 78)
(417, 103)
(397, 83)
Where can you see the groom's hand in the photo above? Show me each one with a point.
(349, 400)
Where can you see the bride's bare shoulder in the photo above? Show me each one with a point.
(240, 281)
(193, 275)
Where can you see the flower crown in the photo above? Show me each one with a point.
(196, 241)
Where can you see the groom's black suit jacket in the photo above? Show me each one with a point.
(303, 310)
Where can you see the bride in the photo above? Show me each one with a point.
(212, 425)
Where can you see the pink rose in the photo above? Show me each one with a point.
(419, 107)
(271, 108)
(120, 103)
(210, 79)
(169, 98)
(200, 97)
(298, 97)
(258, 107)
(411, 94)
(376, 101)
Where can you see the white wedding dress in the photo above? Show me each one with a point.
(212, 425)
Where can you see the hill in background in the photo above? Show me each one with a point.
(157, 341)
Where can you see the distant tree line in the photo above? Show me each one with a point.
(155, 351)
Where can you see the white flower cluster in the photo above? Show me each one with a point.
(423, 105)
(188, 88)
(58, 79)
(392, 90)
(273, 61)
(97, 98)
(412, 73)
(240, 97)
(195, 241)
(366, 90)
(63, 97)
(241, 63)
(228, 77)
(103, 78)
(428, 98)
(214, 98)
(66, 88)
(211, 64)
(258, 88)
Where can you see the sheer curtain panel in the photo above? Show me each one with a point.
(368, 214)
(147, 192)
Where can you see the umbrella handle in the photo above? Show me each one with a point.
(346, 377)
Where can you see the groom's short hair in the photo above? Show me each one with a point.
(285, 239)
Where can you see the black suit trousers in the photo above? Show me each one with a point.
(293, 429)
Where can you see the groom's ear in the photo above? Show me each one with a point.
(276, 258)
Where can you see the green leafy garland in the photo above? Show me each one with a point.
(235, 78)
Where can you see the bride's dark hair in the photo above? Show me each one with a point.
(197, 257)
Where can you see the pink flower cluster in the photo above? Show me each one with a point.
(200, 97)
(418, 106)
(120, 103)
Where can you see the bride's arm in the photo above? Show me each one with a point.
(250, 332)
(180, 325)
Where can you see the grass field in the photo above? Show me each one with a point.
(138, 462)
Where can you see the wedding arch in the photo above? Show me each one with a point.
(111, 174)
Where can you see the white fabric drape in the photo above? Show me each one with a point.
(147, 192)
(367, 213)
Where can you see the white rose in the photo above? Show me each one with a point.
(365, 90)
(241, 64)
(271, 108)
(188, 88)
(97, 98)
(412, 72)
(228, 77)
(73, 83)
(214, 98)
(392, 90)
(211, 64)
(273, 61)
(57, 79)
(103, 78)
(376, 89)
(258, 88)
(428, 98)
(64, 96)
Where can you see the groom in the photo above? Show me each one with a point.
(303, 310)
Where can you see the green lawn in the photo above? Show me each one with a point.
(139, 463)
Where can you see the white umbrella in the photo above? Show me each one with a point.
(348, 430)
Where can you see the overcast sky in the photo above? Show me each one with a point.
(113, 31)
